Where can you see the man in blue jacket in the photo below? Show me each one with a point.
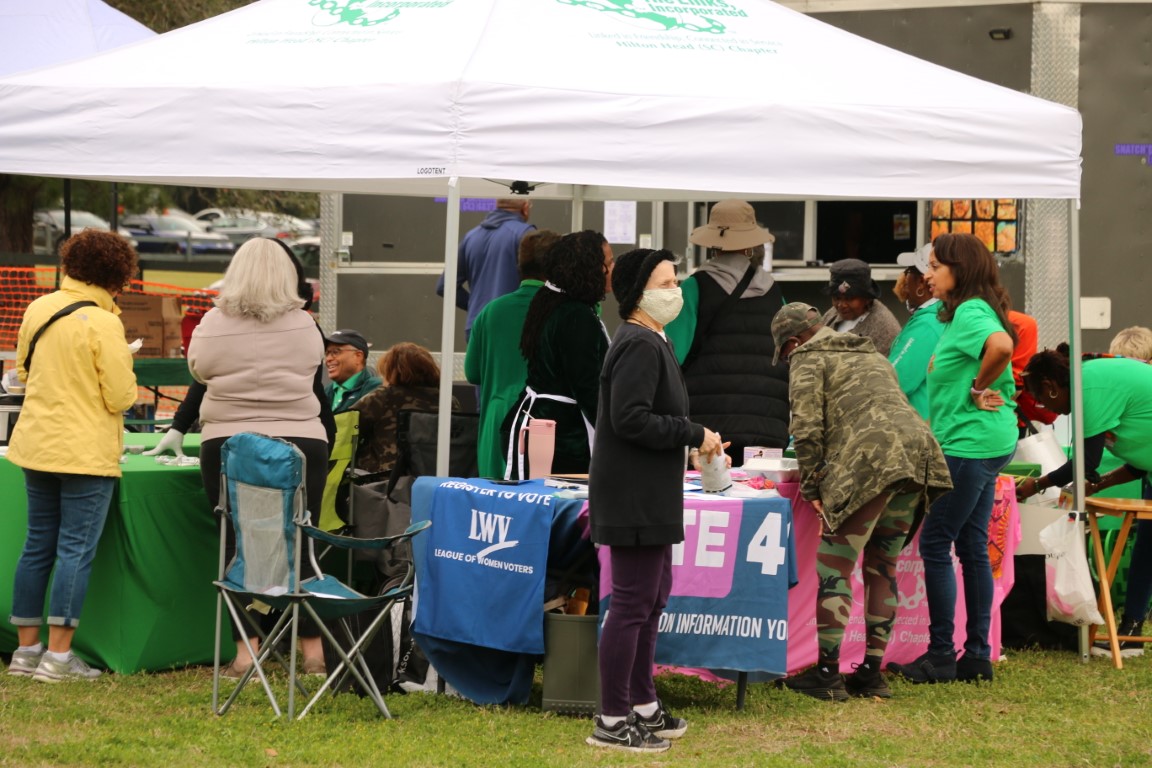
(486, 259)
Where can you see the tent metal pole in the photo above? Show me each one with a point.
(809, 248)
(448, 327)
(577, 207)
(922, 233)
(1075, 366)
(691, 251)
(657, 224)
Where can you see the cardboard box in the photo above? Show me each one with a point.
(155, 320)
(173, 316)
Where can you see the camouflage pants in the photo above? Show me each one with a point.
(879, 529)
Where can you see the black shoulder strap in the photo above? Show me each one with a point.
(729, 302)
(62, 313)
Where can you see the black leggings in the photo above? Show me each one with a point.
(315, 476)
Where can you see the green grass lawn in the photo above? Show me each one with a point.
(1045, 709)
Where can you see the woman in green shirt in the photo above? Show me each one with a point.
(1117, 394)
(969, 382)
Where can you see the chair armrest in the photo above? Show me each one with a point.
(351, 542)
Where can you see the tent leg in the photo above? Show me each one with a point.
(448, 327)
(1074, 337)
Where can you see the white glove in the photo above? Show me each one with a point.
(134, 347)
(173, 440)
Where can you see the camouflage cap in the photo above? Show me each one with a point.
(791, 320)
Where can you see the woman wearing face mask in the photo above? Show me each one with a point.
(564, 342)
(913, 346)
(635, 503)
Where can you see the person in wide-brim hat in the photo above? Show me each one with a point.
(725, 347)
(731, 227)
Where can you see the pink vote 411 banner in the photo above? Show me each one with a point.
(909, 636)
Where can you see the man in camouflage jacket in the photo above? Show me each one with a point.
(869, 465)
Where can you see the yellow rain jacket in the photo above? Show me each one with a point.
(79, 387)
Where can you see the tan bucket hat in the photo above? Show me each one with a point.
(731, 227)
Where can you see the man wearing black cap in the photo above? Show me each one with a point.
(346, 358)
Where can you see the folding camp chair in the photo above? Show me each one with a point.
(262, 497)
(417, 433)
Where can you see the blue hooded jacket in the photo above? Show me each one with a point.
(487, 262)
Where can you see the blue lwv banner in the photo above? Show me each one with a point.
(488, 550)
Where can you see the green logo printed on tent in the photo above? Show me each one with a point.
(690, 15)
(347, 13)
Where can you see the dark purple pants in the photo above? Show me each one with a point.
(641, 582)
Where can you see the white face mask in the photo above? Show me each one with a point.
(662, 304)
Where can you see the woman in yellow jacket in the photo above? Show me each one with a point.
(79, 382)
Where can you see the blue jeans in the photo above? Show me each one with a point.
(961, 517)
(66, 515)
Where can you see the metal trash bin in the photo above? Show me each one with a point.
(571, 669)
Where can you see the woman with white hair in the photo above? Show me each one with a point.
(260, 356)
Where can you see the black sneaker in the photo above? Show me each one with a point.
(627, 736)
(819, 682)
(1128, 648)
(928, 668)
(663, 725)
(970, 669)
(867, 681)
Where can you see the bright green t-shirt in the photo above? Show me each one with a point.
(961, 428)
(1118, 399)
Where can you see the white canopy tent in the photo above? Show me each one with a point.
(593, 99)
(34, 35)
(45, 32)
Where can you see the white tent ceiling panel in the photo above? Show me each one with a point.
(44, 32)
(742, 97)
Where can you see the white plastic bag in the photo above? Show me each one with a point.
(1071, 597)
(1042, 448)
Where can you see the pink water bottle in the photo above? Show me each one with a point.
(541, 447)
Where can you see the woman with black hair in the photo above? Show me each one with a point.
(564, 342)
(1117, 394)
(969, 382)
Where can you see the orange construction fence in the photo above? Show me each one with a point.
(20, 285)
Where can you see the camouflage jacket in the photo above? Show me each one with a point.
(378, 449)
(854, 432)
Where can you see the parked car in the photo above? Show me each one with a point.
(48, 229)
(165, 233)
(307, 249)
(241, 225)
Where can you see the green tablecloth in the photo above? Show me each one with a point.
(150, 603)
(161, 371)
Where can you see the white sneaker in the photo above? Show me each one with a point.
(50, 671)
(24, 663)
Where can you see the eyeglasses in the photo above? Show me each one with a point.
(337, 351)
